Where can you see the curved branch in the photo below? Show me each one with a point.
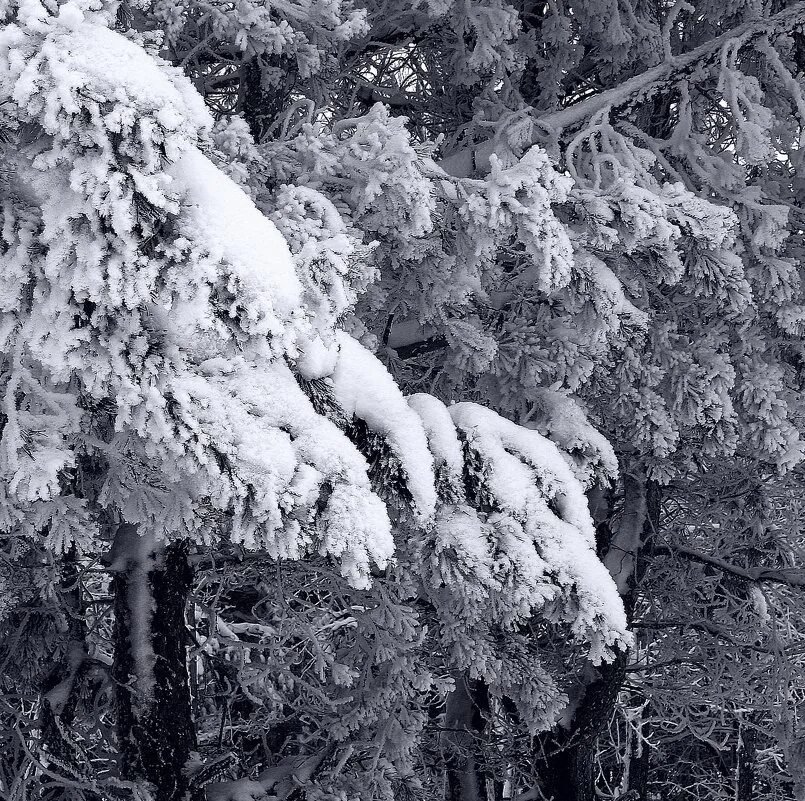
(464, 162)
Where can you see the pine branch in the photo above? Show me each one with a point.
(466, 161)
(790, 576)
(414, 349)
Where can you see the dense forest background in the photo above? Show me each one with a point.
(402, 400)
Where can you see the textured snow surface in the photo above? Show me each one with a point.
(440, 431)
(365, 389)
(219, 215)
(284, 452)
(588, 452)
(88, 57)
(543, 504)
(187, 337)
(509, 446)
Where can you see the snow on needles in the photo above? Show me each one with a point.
(365, 389)
(531, 481)
(189, 307)
(441, 432)
(562, 420)
(188, 304)
(88, 58)
(219, 214)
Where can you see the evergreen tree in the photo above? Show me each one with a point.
(590, 198)
(177, 398)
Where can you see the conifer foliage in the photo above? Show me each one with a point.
(174, 395)
(400, 400)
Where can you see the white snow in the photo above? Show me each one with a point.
(283, 452)
(612, 289)
(88, 57)
(508, 445)
(364, 388)
(219, 216)
(440, 431)
(315, 358)
(590, 454)
(544, 505)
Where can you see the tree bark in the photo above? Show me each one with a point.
(566, 756)
(463, 721)
(637, 786)
(745, 774)
(154, 719)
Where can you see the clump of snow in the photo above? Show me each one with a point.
(460, 532)
(508, 446)
(86, 57)
(611, 289)
(561, 419)
(222, 219)
(315, 358)
(357, 532)
(440, 431)
(282, 453)
(365, 389)
(543, 506)
(70, 15)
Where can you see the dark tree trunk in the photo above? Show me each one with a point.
(566, 757)
(568, 774)
(639, 766)
(154, 719)
(464, 720)
(745, 778)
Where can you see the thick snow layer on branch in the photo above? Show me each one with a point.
(364, 389)
(542, 504)
(281, 454)
(187, 301)
(509, 445)
(562, 420)
(441, 433)
(89, 59)
(222, 218)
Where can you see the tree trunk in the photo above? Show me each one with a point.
(637, 784)
(463, 721)
(745, 776)
(154, 720)
(568, 774)
(566, 757)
